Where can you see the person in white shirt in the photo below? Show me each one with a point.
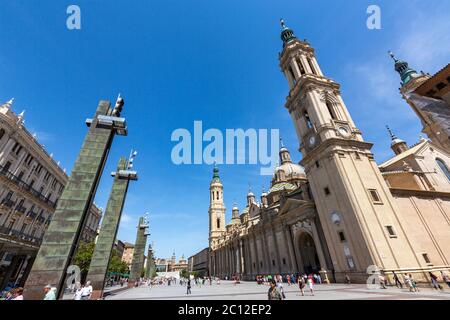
(86, 291)
(18, 294)
(78, 291)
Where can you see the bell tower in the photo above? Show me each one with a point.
(216, 209)
(355, 207)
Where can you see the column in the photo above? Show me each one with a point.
(138, 255)
(258, 269)
(241, 255)
(6, 150)
(295, 68)
(16, 166)
(318, 244)
(108, 231)
(290, 251)
(266, 249)
(277, 249)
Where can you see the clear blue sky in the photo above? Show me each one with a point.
(216, 61)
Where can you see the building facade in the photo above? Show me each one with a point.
(199, 263)
(339, 213)
(128, 251)
(31, 182)
(171, 264)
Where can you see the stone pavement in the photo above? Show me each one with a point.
(251, 291)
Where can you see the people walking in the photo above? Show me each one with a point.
(445, 277)
(434, 282)
(347, 279)
(280, 287)
(78, 291)
(50, 292)
(188, 287)
(301, 285)
(18, 294)
(382, 281)
(413, 283)
(274, 293)
(311, 284)
(397, 280)
(86, 291)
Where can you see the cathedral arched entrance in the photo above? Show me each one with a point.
(309, 258)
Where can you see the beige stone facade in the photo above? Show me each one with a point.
(31, 182)
(171, 265)
(340, 213)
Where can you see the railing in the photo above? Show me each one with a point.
(25, 186)
(20, 236)
(32, 214)
(21, 209)
(7, 202)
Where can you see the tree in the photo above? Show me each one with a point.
(117, 265)
(83, 257)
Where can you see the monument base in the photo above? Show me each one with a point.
(97, 295)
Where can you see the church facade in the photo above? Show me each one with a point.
(339, 213)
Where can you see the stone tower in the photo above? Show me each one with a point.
(433, 113)
(216, 209)
(355, 207)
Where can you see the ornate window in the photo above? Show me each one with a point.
(330, 110)
(443, 167)
(311, 65)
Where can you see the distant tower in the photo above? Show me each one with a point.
(436, 130)
(216, 209)
(397, 145)
(355, 207)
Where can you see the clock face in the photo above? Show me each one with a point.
(312, 140)
(343, 131)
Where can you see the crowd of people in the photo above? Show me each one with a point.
(305, 282)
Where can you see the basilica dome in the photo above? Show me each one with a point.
(287, 171)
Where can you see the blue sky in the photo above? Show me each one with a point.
(216, 61)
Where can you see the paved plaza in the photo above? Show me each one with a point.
(227, 290)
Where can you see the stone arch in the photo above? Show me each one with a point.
(306, 250)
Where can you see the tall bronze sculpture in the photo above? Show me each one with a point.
(110, 224)
(62, 236)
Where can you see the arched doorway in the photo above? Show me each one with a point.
(308, 253)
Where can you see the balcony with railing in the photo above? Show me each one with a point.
(19, 236)
(21, 209)
(24, 186)
(7, 202)
(32, 214)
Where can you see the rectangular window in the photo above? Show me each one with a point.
(391, 231)
(426, 258)
(284, 261)
(357, 156)
(327, 191)
(375, 197)
(317, 164)
(350, 263)
(273, 262)
(341, 236)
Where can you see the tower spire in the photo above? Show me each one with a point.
(287, 34)
(397, 145)
(391, 134)
(406, 73)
